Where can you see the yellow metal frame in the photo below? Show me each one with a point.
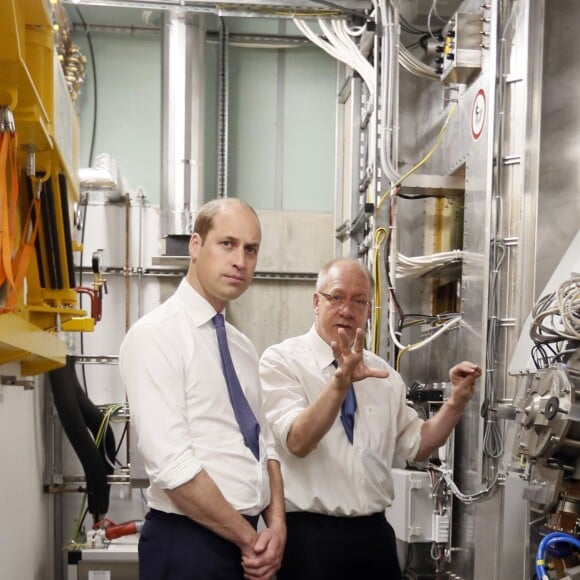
(33, 87)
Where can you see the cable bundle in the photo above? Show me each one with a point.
(556, 316)
(418, 266)
(339, 44)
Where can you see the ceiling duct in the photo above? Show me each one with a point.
(182, 101)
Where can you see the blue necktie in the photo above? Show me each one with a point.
(347, 410)
(245, 416)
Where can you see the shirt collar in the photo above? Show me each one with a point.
(320, 348)
(196, 306)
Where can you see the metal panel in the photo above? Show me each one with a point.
(559, 200)
(271, 311)
(462, 154)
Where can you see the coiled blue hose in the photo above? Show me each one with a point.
(546, 542)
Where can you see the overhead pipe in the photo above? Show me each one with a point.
(183, 127)
(223, 110)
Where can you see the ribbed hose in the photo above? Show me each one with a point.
(77, 415)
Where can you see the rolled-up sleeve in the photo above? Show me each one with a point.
(408, 426)
(284, 396)
(150, 365)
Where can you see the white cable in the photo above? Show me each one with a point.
(464, 497)
(409, 348)
(389, 91)
(340, 46)
(556, 316)
(420, 265)
(415, 66)
(340, 28)
(569, 306)
(344, 51)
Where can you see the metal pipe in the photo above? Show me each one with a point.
(183, 113)
(223, 110)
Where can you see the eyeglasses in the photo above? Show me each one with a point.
(337, 301)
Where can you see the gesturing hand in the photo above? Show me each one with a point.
(350, 360)
(463, 377)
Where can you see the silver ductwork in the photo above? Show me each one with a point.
(103, 179)
(183, 103)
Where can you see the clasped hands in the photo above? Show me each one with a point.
(263, 560)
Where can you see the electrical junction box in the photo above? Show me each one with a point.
(412, 512)
(461, 54)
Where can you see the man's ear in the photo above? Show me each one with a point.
(194, 244)
(315, 302)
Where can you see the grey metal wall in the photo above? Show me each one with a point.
(424, 107)
(520, 186)
(559, 176)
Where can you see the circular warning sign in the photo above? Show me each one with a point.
(478, 110)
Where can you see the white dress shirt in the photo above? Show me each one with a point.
(337, 478)
(180, 406)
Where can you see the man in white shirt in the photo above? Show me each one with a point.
(337, 478)
(208, 482)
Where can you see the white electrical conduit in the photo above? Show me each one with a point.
(340, 36)
(411, 63)
(555, 316)
(350, 55)
(417, 266)
(389, 90)
(421, 343)
(340, 46)
(392, 269)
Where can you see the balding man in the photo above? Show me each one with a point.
(339, 415)
(193, 389)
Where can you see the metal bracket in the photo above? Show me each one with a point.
(12, 381)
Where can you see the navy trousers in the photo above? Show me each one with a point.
(323, 547)
(174, 547)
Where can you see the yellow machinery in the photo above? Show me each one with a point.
(39, 162)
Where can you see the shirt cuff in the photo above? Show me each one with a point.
(271, 453)
(282, 426)
(182, 470)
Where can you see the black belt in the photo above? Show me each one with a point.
(352, 522)
(252, 520)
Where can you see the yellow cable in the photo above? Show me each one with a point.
(380, 237)
(111, 410)
(401, 353)
(423, 161)
(77, 529)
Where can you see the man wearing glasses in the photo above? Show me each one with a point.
(339, 415)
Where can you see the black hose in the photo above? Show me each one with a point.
(93, 418)
(63, 382)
